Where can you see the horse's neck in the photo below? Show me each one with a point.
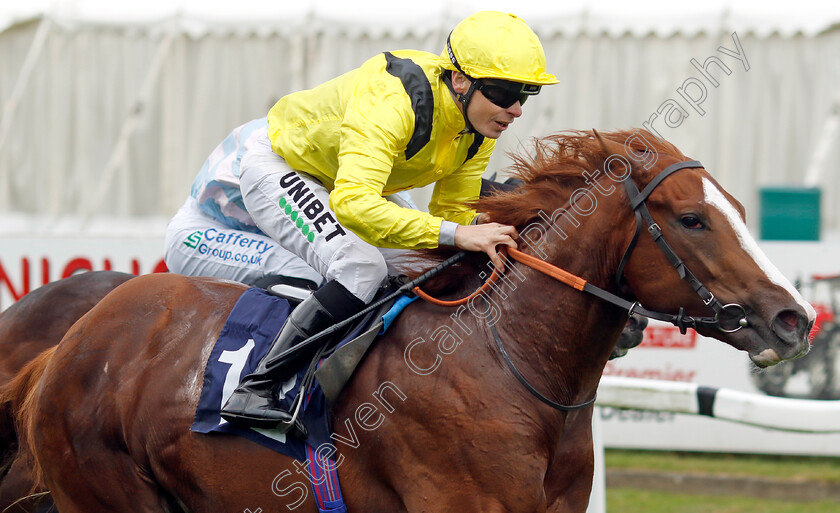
(563, 336)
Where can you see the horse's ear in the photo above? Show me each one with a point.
(611, 148)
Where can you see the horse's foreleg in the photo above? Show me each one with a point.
(569, 479)
(477, 505)
(458, 495)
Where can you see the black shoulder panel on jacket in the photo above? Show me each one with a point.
(422, 100)
(474, 146)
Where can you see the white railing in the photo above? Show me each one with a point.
(797, 415)
(793, 415)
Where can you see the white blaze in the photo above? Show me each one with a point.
(715, 198)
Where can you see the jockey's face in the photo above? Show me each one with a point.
(487, 118)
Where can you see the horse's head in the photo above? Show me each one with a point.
(758, 310)
(602, 196)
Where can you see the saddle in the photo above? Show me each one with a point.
(344, 354)
(248, 332)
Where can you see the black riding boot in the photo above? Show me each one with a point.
(254, 402)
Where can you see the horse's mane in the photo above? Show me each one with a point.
(551, 172)
(556, 168)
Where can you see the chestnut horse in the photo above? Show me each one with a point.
(434, 419)
(31, 325)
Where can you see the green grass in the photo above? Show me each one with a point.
(791, 468)
(642, 501)
(798, 468)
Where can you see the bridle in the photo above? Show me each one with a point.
(643, 219)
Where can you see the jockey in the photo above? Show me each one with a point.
(307, 186)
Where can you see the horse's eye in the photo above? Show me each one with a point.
(692, 222)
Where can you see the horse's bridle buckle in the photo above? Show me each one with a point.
(655, 230)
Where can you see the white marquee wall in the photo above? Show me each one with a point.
(114, 119)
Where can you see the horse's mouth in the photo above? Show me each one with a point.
(774, 338)
(766, 358)
(769, 357)
(767, 350)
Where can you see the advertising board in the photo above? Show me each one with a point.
(26, 263)
(665, 354)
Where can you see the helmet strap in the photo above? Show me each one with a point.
(464, 99)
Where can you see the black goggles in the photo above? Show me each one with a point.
(505, 93)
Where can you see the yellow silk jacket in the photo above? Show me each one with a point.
(387, 126)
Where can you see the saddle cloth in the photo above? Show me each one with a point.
(246, 337)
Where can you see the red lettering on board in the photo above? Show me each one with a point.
(160, 267)
(75, 265)
(30, 275)
(45, 271)
(666, 373)
(25, 287)
(668, 337)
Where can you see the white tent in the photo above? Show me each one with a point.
(109, 112)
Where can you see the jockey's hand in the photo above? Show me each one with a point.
(485, 237)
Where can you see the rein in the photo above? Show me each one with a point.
(542, 266)
(643, 218)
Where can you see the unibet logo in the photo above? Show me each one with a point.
(298, 219)
(193, 239)
(307, 208)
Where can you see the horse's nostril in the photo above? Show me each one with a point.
(789, 318)
(791, 326)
